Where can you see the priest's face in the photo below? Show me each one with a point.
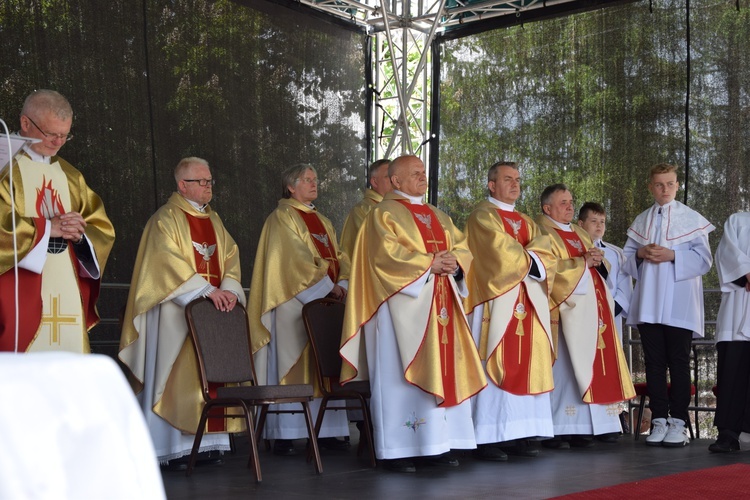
(411, 177)
(507, 185)
(47, 126)
(560, 207)
(305, 189)
(664, 187)
(190, 187)
(380, 181)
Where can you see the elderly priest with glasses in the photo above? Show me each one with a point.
(185, 253)
(63, 238)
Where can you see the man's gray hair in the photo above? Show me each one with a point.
(546, 196)
(181, 169)
(47, 100)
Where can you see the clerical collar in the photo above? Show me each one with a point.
(564, 227)
(200, 208)
(662, 208)
(35, 156)
(414, 200)
(501, 205)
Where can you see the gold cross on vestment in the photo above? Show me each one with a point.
(435, 242)
(55, 319)
(207, 275)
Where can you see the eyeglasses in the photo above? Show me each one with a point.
(202, 182)
(49, 135)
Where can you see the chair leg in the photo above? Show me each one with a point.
(639, 417)
(313, 437)
(318, 423)
(261, 422)
(197, 440)
(367, 424)
(253, 445)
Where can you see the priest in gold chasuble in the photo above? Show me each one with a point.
(63, 238)
(380, 183)
(298, 261)
(405, 327)
(508, 307)
(591, 375)
(185, 253)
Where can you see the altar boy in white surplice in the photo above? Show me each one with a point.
(667, 254)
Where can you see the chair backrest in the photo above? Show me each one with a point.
(222, 342)
(324, 320)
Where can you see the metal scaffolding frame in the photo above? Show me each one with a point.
(405, 36)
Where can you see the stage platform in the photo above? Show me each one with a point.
(345, 476)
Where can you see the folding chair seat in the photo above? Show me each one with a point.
(324, 319)
(222, 346)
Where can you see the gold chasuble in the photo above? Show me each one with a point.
(516, 339)
(57, 308)
(297, 248)
(394, 248)
(587, 319)
(355, 219)
(181, 251)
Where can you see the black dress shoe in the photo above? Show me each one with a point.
(175, 465)
(491, 453)
(444, 460)
(556, 443)
(609, 438)
(520, 448)
(331, 443)
(581, 441)
(400, 465)
(283, 447)
(724, 445)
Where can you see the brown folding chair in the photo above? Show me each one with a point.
(324, 319)
(222, 345)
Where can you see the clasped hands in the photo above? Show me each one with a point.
(444, 263)
(593, 256)
(69, 226)
(655, 253)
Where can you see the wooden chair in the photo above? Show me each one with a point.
(641, 389)
(222, 346)
(324, 319)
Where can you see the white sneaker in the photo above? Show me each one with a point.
(677, 434)
(658, 432)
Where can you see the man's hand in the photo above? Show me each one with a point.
(655, 253)
(223, 300)
(747, 285)
(70, 226)
(593, 257)
(338, 293)
(444, 263)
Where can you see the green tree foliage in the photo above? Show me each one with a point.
(593, 100)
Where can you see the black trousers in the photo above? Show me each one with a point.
(667, 348)
(733, 400)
